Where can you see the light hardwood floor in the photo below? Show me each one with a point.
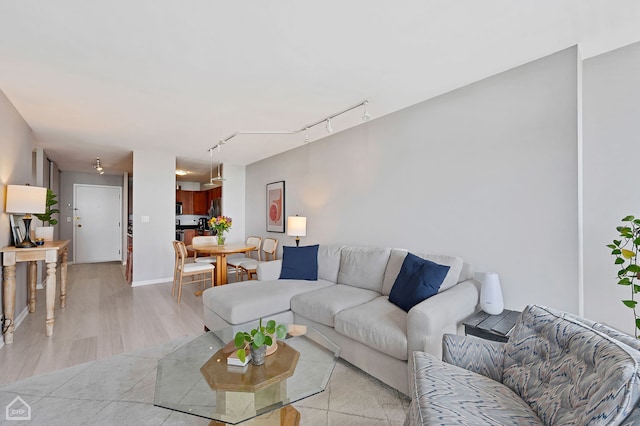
(104, 316)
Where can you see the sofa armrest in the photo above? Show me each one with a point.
(268, 271)
(430, 319)
(474, 354)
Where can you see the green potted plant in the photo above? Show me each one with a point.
(625, 251)
(46, 232)
(257, 340)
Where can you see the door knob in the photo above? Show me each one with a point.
(79, 225)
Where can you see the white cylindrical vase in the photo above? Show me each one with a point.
(491, 300)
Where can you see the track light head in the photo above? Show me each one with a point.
(365, 115)
(98, 167)
(328, 126)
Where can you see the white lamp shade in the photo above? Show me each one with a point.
(297, 226)
(26, 199)
(491, 300)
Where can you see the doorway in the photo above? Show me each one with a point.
(97, 228)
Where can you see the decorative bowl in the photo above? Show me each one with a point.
(39, 241)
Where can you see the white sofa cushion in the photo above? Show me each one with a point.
(321, 305)
(397, 256)
(328, 262)
(250, 300)
(378, 324)
(363, 267)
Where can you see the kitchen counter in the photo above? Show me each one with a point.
(194, 226)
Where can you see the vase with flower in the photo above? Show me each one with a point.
(221, 224)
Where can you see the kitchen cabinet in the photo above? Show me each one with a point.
(186, 198)
(200, 202)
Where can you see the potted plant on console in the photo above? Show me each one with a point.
(46, 232)
(257, 340)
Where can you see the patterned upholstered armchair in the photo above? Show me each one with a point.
(555, 369)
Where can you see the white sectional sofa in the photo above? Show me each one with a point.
(349, 304)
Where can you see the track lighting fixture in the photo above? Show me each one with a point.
(327, 120)
(328, 126)
(98, 167)
(365, 115)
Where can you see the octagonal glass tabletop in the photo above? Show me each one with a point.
(196, 378)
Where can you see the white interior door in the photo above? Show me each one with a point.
(97, 233)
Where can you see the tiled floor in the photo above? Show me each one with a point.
(119, 390)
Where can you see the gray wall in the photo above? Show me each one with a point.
(65, 198)
(154, 195)
(611, 115)
(16, 145)
(487, 172)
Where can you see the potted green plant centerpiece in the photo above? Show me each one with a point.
(46, 232)
(625, 251)
(257, 340)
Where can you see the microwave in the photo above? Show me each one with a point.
(178, 208)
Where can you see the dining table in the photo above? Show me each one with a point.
(221, 252)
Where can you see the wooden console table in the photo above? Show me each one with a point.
(49, 252)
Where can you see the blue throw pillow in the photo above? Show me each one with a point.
(418, 280)
(299, 263)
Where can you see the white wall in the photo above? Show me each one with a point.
(487, 172)
(154, 195)
(611, 146)
(16, 145)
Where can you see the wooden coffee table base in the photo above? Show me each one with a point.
(289, 416)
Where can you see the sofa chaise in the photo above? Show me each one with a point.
(349, 304)
(556, 369)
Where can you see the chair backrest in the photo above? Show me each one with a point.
(207, 239)
(181, 253)
(256, 242)
(269, 248)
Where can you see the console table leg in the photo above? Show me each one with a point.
(63, 279)
(9, 300)
(51, 295)
(33, 275)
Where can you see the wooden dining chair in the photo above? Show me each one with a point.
(207, 239)
(269, 248)
(236, 262)
(198, 272)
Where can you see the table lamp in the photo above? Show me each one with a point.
(491, 300)
(297, 227)
(26, 199)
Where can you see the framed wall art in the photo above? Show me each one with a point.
(275, 206)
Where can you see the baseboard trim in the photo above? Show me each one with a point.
(150, 282)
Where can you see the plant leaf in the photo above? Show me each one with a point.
(616, 251)
(239, 340)
(267, 340)
(617, 242)
(637, 322)
(619, 261)
(628, 254)
(624, 281)
(242, 355)
(628, 218)
(258, 339)
(281, 331)
(636, 288)
(633, 268)
(611, 246)
(630, 303)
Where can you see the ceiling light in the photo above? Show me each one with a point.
(328, 126)
(98, 167)
(181, 172)
(365, 115)
(210, 183)
(218, 178)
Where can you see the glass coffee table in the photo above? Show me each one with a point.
(195, 379)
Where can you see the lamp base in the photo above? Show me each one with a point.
(26, 242)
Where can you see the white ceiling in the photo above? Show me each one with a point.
(105, 78)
